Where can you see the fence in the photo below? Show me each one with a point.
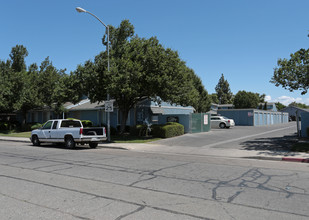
(200, 122)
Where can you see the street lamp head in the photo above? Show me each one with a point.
(79, 9)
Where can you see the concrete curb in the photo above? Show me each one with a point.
(25, 140)
(287, 159)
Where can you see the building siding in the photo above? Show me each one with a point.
(304, 123)
(254, 117)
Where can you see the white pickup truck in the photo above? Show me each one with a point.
(69, 132)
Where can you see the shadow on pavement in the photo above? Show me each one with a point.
(276, 146)
(61, 146)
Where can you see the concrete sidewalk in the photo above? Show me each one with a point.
(196, 151)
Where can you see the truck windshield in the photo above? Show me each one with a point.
(70, 124)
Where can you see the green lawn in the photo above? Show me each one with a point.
(15, 134)
(132, 139)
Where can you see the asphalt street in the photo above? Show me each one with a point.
(51, 182)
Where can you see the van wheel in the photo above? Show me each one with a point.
(93, 145)
(69, 142)
(35, 140)
(222, 125)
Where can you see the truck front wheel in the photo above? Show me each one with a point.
(69, 142)
(93, 145)
(35, 140)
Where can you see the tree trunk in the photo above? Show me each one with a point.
(124, 117)
(23, 122)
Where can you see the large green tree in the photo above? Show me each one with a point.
(140, 68)
(203, 101)
(22, 90)
(27, 95)
(214, 98)
(299, 105)
(279, 106)
(6, 87)
(18, 86)
(245, 99)
(18, 55)
(293, 73)
(223, 90)
(50, 79)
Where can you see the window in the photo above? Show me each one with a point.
(214, 118)
(155, 118)
(70, 124)
(47, 125)
(172, 119)
(55, 124)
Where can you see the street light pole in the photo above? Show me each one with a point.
(79, 9)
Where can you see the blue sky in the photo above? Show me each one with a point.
(242, 39)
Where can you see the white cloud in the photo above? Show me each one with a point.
(267, 98)
(286, 100)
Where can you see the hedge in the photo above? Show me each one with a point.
(4, 126)
(36, 126)
(86, 123)
(126, 129)
(138, 130)
(170, 129)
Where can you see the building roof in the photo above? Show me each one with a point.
(156, 110)
(164, 108)
(294, 107)
(84, 105)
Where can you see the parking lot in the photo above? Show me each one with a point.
(238, 137)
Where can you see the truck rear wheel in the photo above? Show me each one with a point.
(69, 142)
(93, 145)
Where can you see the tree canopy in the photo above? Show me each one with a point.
(279, 106)
(214, 98)
(23, 89)
(293, 73)
(223, 90)
(245, 99)
(299, 105)
(140, 68)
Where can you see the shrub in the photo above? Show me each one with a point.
(127, 128)
(157, 131)
(4, 126)
(36, 126)
(72, 119)
(87, 123)
(171, 129)
(138, 130)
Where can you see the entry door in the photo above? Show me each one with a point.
(47, 129)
